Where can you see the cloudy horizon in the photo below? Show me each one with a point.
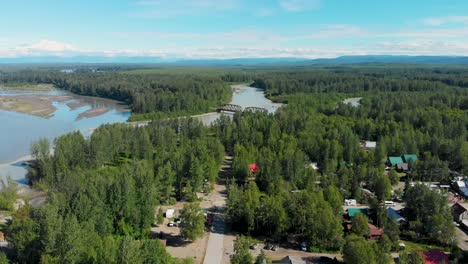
(225, 29)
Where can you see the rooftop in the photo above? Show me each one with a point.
(353, 211)
(395, 160)
(402, 166)
(458, 208)
(392, 214)
(375, 231)
(290, 260)
(408, 157)
(435, 257)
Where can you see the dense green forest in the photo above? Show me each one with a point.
(106, 187)
(104, 191)
(151, 96)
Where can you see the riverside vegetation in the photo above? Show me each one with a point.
(103, 190)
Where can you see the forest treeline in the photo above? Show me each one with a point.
(150, 96)
(108, 185)
(104, 190)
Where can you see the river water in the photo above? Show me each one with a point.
(244, 96)
(18, 130)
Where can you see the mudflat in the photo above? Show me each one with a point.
(38, 100)
(94, 112)
(33, 104)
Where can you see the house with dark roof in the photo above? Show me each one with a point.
(459, 212)
(392, 214)
(461, 188)
(402, 167)
(290, 260)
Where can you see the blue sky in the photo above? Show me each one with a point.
(233, 28)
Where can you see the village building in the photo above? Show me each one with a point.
(402, 163)
(459, 212)
(461, 188)
(402, 167)
(374, 232)
(353, 211)
(368, 144)
(394, 215)
(290, 260)
(170, 213)
(408, 157)
(394, 161)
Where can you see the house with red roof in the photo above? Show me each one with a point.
(435, 257)
(374, 232)
(254, 169)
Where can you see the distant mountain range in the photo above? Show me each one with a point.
(245, 61)
(394, 59)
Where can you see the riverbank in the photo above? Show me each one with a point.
(16, 170)
(33, 104)
(85, 121)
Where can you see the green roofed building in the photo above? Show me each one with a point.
(393, 161)
(353, 211)
(408, 157)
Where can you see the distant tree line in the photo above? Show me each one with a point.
(151, 96)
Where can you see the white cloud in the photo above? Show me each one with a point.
(49, 46)
(43, 47)
(238, 38)
(299, 5)
(438, 21)
(258, 42)
(420, 47)
(434, 34)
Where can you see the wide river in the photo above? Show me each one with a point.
(18, 130)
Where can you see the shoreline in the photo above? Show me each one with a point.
(20, 159)
(236, 89)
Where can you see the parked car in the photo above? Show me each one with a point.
(171, 224)
(304, 247)
(253, 246)
(402, 246)
(269, 246)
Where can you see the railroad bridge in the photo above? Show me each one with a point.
(238, 108)
(255, 109)
(230, 108)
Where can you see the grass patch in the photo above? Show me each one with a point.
(27, 86)
(413, 246)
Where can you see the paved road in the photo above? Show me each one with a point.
(215, 247)
(462, 238)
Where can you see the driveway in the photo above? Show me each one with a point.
(462, 239)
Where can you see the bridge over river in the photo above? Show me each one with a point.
(237, 108)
